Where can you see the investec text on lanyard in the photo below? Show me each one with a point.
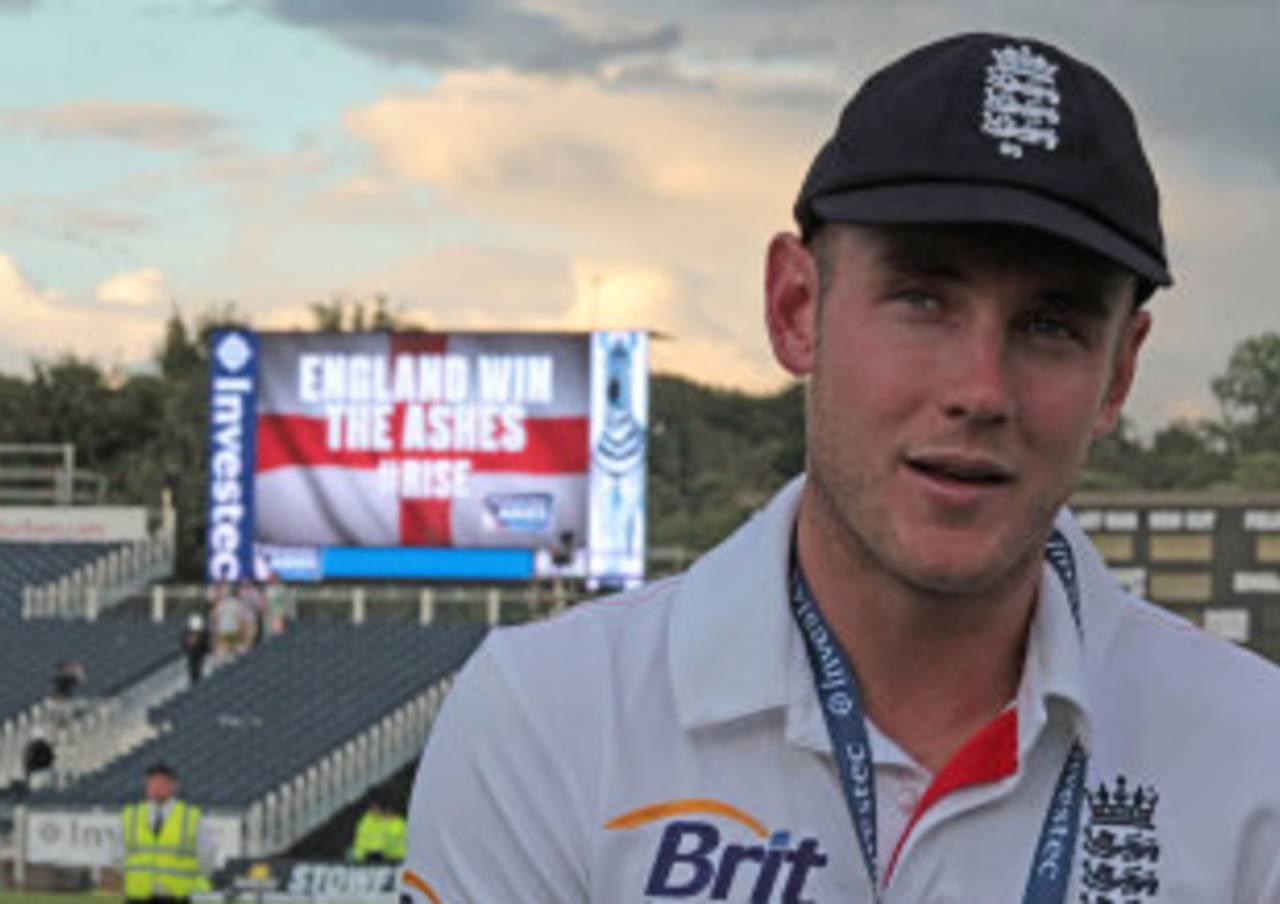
(841, 706)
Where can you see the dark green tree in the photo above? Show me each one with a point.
(1115, 462)
(1187, 455)
(356, 315)
(1248, 392)
(715, 456)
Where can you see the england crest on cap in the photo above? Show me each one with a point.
(1020, 106)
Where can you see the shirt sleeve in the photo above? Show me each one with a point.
(1259, 866)
(115, 846)
(206, 848)
(495, 814)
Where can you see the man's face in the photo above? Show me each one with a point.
(958, 376)
(160, 787)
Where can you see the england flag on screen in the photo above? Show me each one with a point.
(400, 439)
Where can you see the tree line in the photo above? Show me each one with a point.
(714, 457)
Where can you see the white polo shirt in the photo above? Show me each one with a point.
(667, 744)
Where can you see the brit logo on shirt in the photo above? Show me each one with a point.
(1020, 102)
(1121, 849)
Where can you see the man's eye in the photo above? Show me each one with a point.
(1051, 327)
(919, 299)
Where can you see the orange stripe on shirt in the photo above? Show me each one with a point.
(686, 807)
(412, 879)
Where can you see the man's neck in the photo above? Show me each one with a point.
(932, 668)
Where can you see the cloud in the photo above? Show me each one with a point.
(45, 322)
(136, 288)
(672, 195)
(1221, 236)
(577, 53)
(625, 162)
(1205, 72)
(461, 287)
(476, 33)
(252, 171)
(565, 151)
(85, 222)
(26, 308)
(159, 126)
(17, 289)
(363, 199)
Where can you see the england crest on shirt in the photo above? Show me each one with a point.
(1121, 847)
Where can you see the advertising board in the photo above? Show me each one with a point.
(73, 524)
(90, 837)
(428, 455)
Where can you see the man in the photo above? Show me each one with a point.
(38, 760)
(232, 621)
(380, 834)
(910, 678)
(281, 605)
(195, 647)
(164, 849)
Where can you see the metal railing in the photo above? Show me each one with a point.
(46, 473)
(87, 733)
(314, 795)
(102, 583)
(358, 603)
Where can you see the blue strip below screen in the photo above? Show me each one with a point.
(426, 563)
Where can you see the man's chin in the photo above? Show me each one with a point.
(960, 573)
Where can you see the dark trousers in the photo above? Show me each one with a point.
(158, 899)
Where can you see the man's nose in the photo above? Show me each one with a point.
(976, 385)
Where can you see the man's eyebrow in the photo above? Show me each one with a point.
(1086, 298)
(917, 259)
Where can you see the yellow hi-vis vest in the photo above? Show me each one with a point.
(379, 834)
(165, 863)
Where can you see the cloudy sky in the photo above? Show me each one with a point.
(549, 163)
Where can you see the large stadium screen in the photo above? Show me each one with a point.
(427, 456)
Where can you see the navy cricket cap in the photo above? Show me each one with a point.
(987, 128)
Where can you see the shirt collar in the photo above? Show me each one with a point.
(1053, 670)
(1061, 660)
(731, 631)
(735, 650)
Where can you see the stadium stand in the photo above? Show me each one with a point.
(31, 564)
(115, 653)
(255, 725)
(274, 744)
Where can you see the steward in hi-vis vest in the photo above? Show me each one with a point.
(380, 835)
(161, 839)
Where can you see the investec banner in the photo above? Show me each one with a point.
(432, 455)
(232, 402)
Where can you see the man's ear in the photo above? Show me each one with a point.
(791, 287)
(1122, 372)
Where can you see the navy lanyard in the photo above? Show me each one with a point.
(838, 696)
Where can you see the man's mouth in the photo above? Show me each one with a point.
(974, 470)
